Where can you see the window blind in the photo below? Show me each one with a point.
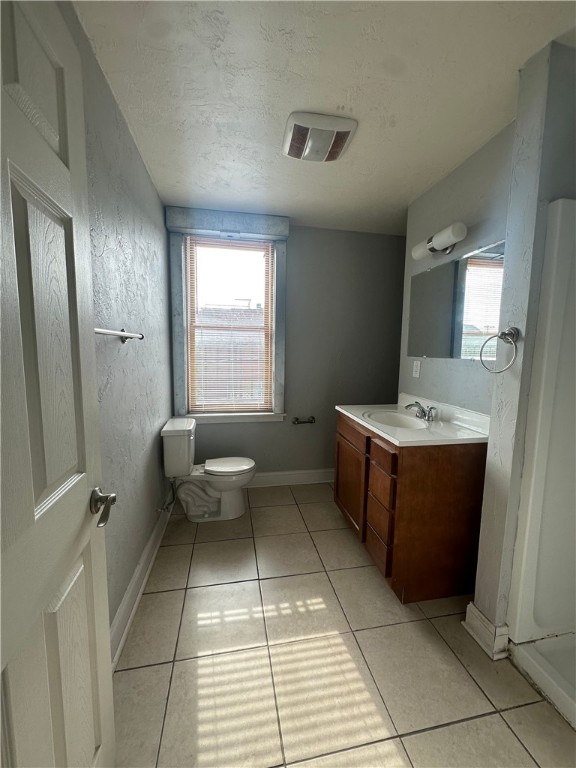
(230, 344)
(481, 306)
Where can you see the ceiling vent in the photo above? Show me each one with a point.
(320, 138)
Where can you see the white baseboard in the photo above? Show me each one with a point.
(492, 639)
(296, 477)
(127, 608)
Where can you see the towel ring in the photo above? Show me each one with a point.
(509, 336)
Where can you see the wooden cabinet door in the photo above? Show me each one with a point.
(350, 485)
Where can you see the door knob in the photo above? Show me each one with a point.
(101, 502)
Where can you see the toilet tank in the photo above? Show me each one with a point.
(178, 440)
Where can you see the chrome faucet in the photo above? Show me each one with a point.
(421, 412)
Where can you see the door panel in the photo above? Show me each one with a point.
(43, 264)
(51, 686)
(27, 698)
(33, 77)
(56, 672)
(67, 635)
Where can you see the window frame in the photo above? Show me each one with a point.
(184, 221)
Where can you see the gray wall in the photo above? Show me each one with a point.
(543, 170)
(130, 274)
(476, 193)
(343, 310)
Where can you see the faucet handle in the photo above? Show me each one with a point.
(430, 411)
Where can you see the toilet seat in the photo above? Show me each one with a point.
(232, 465)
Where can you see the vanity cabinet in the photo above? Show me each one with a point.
(417, 508)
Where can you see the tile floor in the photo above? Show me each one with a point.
(272, 640)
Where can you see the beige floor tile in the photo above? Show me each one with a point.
(301, 607)
(272, 521)
(179, 531)
(445, 606)
(482, 743)
(326, 697)
(139, 703)
(311, 492)
(221, 713)
(367, 599)
(220, 530)
(286, 555)
(170, 569)
(221, 562)
(322, 516)
(153, 634)
(340, 549)
(385, 754)
(421, 681)
(225, 617)
(270, 496)
(500, 681)
(546, 735)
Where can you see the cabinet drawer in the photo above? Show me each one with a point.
(380, 553)
(381, 486)
(384, 456)
(380, 519)
(352, 433)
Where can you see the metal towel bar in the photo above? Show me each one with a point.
(123, 334)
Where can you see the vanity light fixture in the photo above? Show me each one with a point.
(441, 242)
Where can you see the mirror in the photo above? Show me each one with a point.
(455, 307)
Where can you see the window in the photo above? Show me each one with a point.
(481, 307)
(230, 325)
(227, 278)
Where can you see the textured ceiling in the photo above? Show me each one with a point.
(206, 89)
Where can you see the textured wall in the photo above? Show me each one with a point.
(343, 311)
(130, 274)
(476, 193)
(543, 170)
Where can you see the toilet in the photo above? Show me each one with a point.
(209, 491)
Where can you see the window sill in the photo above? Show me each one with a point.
(230, 418)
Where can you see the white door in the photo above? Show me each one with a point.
(56, 673)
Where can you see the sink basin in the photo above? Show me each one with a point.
(393, 419)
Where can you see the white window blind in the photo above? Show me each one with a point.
(230, 325)
(481, 307)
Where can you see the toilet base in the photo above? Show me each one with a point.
(201, 508)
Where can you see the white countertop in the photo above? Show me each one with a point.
(436, 432)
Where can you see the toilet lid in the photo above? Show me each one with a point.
(233, 465)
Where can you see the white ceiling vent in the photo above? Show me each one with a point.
(317, 137)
